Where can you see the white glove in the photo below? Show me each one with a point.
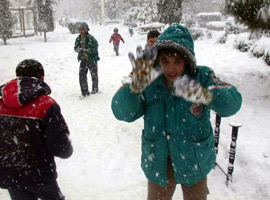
(142, 68)
(191, 90)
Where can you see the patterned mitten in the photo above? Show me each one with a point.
(142, 68)
(191, 90)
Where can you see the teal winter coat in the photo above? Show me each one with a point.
(92, 47)
(171, 128)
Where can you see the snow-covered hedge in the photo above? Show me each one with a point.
(261, 48)
(206, 17)
(216, 25)
(243, 42)
(197, 33)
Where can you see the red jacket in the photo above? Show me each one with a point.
(32, 132)
(116, 37)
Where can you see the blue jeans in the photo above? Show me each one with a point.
(48, 191)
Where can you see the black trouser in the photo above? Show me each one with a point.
(48, 191)
(116, 49)
(84, 66)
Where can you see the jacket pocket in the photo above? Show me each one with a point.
(148, 154)
(205, 154)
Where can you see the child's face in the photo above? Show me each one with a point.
(151, 41)
(82, 31)
(173, 65)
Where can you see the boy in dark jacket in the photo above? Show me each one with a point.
(32, 132)
(177, 140)
(87, 48)
(116, 37)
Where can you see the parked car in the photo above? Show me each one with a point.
(73, 26)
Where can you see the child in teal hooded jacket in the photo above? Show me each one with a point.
(177, 139)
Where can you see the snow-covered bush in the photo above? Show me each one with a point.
(267, 57)
(197, 33)
(243, 42)
(188, 21)
(204, 18)
(261, 47)
(216, 25)
(230, 28)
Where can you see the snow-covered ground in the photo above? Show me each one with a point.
(106, 160)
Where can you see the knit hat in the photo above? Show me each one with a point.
(84, 26)
(30, 68)
(178, 37)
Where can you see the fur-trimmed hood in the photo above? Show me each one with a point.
(179, 38)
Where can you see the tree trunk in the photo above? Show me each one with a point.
(45, 37)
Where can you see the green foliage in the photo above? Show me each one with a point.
(253, 13)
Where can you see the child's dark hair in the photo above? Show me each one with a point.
(30, 68)
(153, 34)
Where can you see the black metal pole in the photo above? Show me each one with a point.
(217, 131)
(232, 152)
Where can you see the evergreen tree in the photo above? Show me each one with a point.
(253, 13)
(45, 17)
(170, 11)
(148, 11)
(6, 22)
(94, 10)
(111, 7)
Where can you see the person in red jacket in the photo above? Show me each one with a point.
(32, 132)
(115, 38)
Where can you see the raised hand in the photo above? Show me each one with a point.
(142, 68)
(191, 90)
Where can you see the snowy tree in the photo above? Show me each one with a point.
(6, 21)
(131, 15)
(169, 11)
(94, 10)
(45, 17)
(145, 12)
(148, 11)
(112, 6)
(253, 13)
